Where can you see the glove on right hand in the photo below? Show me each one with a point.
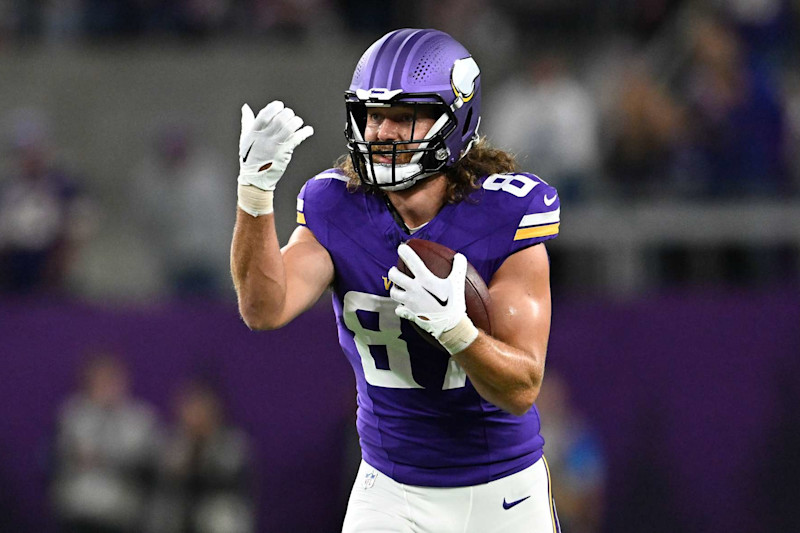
(267, 142)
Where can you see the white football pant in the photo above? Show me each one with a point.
(519, 503)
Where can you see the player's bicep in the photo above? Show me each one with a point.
(520, 310)
(309, 271)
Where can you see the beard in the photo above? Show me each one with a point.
(384, 157)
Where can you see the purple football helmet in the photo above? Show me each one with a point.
(414, 67)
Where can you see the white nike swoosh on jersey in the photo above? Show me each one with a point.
(549, 201)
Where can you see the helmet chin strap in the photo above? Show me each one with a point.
(382, 175)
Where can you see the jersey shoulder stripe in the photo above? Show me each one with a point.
(301, 216)
(540, 215)
(539, 231)
(538, 225)
(537, 219)
(518, 208)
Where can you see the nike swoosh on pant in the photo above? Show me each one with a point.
(509, 505)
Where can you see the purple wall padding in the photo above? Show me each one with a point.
(292, 391)
(683, 391)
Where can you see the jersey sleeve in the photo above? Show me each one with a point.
(540, 218)
(317, 201)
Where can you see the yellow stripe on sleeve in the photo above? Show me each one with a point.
(538, 231)
(301, 218)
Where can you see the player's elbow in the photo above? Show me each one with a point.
(257, 319)
(257, 324)
(522, 402)
(520, 406)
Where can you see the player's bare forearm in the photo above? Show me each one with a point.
(507, 368)
(502, 374)
(276, 285)
(258, 271)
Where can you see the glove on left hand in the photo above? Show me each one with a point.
(433, 303)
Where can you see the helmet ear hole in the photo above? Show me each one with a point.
(467, 121)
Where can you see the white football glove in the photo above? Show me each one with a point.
(267, 142)
(435, 304)
(266, 145)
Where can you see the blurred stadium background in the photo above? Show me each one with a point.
(670, 127)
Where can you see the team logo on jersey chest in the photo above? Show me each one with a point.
(386, 283)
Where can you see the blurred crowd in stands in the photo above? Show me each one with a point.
(178, 199)
(655, 100)
(115, 467)
(698, 103)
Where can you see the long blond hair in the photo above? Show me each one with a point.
(462, 178)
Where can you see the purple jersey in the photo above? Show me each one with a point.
(420, 420)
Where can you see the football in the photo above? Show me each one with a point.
(439, 260)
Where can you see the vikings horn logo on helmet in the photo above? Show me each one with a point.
(464, 77)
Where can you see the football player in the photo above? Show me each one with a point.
(450, 437)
